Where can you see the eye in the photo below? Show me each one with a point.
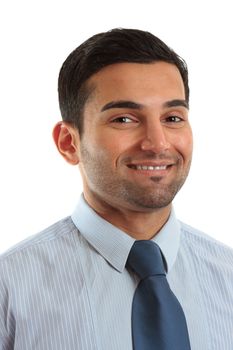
(123, 120)
(174, 119)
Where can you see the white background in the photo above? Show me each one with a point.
(37, 186)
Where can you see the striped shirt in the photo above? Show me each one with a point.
(67, 287)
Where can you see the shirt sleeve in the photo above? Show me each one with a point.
(6, 317)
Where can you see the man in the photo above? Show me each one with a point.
(124, 99)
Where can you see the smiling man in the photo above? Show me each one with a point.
(80, 284)
(135, 148)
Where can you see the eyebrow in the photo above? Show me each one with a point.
(121, 104)
(177, 103)
(138, 106)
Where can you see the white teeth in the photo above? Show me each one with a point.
(150, 167)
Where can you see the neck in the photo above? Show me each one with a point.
(141, 225)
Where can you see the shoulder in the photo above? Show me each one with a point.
(47, 255)
(205, 248)
(46, 239)
(38, 271)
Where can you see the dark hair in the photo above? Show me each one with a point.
(115, 46)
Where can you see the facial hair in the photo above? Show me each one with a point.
(109, 186)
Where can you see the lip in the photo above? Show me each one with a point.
(151, 168)
(148, 164)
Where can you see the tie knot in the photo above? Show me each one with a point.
(145, 259)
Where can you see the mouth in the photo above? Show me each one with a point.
(148, 167)
(151, 169)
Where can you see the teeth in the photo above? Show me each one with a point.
(150, 167)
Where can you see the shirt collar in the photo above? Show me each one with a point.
(114, 244)
(168, 239)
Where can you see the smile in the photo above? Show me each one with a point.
(149, 167)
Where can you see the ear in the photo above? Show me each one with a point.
(66, 138)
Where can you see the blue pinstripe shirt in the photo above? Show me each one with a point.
(67, 287)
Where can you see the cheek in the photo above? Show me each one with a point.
(105, 151)
(112, 145)
(183, 143)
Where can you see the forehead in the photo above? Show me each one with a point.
(138, 81)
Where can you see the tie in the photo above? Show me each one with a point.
(158, 321)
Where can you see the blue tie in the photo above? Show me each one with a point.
(158, 321)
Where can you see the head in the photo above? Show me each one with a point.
(124, 102)
(102, 50)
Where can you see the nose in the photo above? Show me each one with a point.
(155, 138)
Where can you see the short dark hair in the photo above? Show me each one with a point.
(115, 46)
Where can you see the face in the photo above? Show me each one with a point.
(136, 147)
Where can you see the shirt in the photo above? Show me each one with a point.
(68, 288)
